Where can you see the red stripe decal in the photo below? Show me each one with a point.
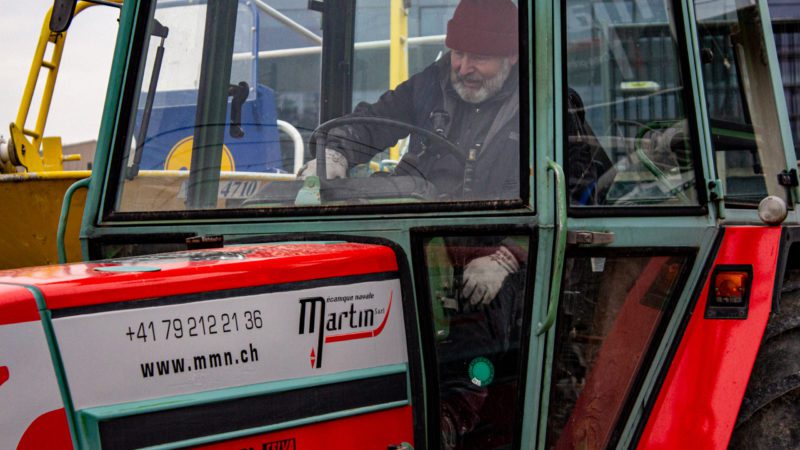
(348, 337)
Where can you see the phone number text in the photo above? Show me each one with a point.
(194, 326)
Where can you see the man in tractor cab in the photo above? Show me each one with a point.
(470, 96)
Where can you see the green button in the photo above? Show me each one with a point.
(481, 371)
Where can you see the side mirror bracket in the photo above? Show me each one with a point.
(63, 12)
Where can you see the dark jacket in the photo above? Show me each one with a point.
(489, 131)
(586, 160)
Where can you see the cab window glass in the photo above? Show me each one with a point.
(610, 315)
(625, 120)
(740, 102)
(476, 288)
(236, 120)
(435, 113)
(427, 124)
(786, 29)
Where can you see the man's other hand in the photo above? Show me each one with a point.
(335, 166)
(484, 276)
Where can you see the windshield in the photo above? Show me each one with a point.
(235, 112)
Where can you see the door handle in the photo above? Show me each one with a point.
(585, 237)
(560, 247)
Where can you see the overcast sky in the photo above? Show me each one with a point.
(80, 89)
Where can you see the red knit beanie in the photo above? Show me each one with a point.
(485, 27)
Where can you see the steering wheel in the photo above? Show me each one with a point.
(382, 121)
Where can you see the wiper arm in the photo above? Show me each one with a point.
(160, 31)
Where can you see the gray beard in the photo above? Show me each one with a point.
(488, 89)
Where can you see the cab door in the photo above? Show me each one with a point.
(644, 201)
(476, 347)
(640, 224)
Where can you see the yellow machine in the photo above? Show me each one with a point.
(32, 176)
(33, 180)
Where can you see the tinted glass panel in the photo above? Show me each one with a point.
(627, 138)
(610, 315)
(476, 286)
(786, 28)
(741, 108)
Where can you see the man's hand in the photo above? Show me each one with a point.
(335, 164)
(484, 276)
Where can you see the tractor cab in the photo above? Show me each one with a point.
(586, 267)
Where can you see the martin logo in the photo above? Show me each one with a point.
(340, 325)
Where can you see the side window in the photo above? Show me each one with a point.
(451, 92)
(263, 113)
(476, 287)
(786, 29)
(611, 315)
(741, 107)
(627, 137)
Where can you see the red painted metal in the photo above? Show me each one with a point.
(201, 271)
(76, 285)
(701, 395)
(367, 431)
(17, 305)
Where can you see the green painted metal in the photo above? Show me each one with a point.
(55, 358)
(110, 120)
(188, 400)
(90, 418)
(559, 247)
(290, 424)
(62, 219)
(706, 149)
(545, 68)
(717, 195)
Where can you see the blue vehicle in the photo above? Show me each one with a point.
(168, 106)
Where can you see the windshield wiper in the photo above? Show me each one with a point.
(158, 31)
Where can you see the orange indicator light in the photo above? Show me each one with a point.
(728, 297)
(729, 287)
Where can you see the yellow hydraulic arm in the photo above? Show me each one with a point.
(398, 52)
(28, 147)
